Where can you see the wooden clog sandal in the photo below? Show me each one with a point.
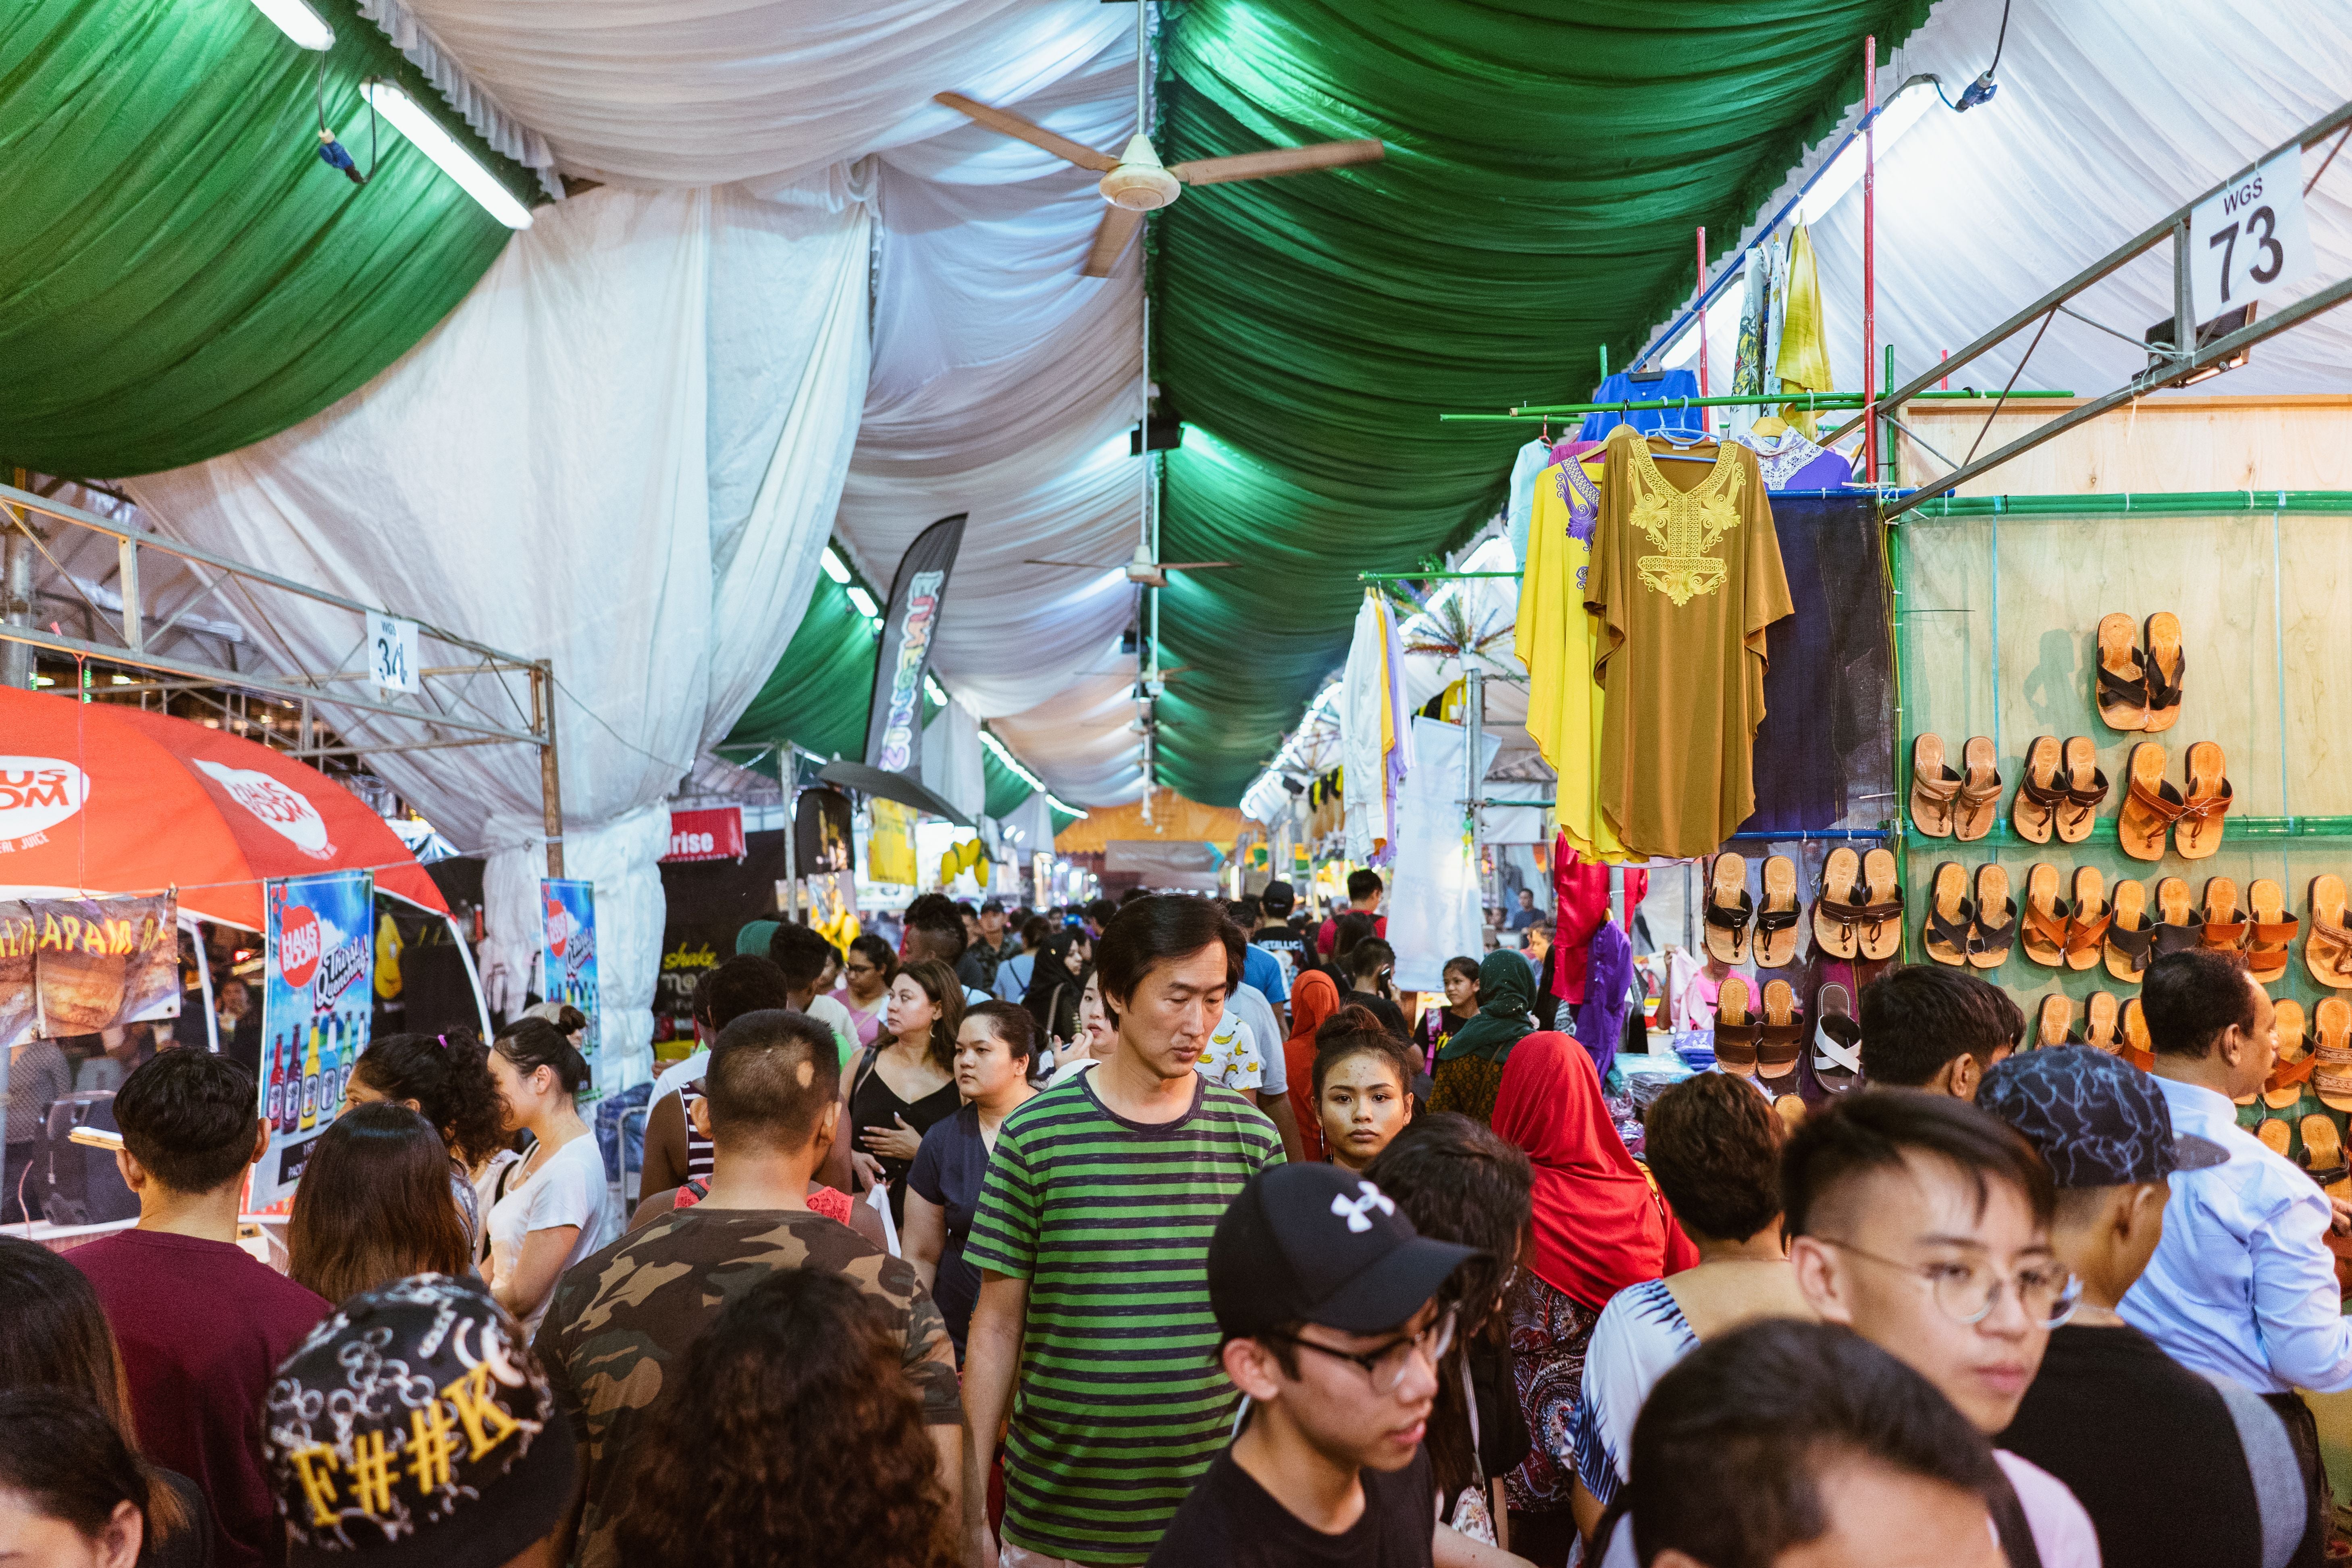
(2323, 1150)
(2129, 936)
(2328, 953)
(2225, 926)
(2054, 1023)
(2198, 833)
(1979, 799)
(1729, 909)
(1951, 919)
(1935, 787)
(2165, 664)
(2271, 930)
(2040, 791)
(1995, 919)
(2137, 1049)
(2086, 791)
(1780, 1038)
(2099, 1015)
(1776, 922)
(1880, 919)
(1837, 1040)
(2151, 805)
(2276, 1135)
(2045, 931)
(2296, 1060)
(2179, 927)
(2086, 922)
(2122, 688)
(1836, 908)
(1734, 1031)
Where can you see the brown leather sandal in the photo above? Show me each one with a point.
(1882, 915)
(1734, 1030)
(2328, 953)
(2054, 1023)
(1934, 788)
(2295, 1061)
(2198, 832)
(2225, 926)
(2086, 791)
(2099, 1032)
(2165, 664)
(2044, 930)
(2131, 937)
(2137, 1050)
(1729, 909)
(1950, 931)
(2151, 805)
(1776, 922)
(1995, 931)
(2179, 927)
(1979, 798)
(1837, 903)
(2122, 688)
(2040, 791)
(2271, 930)
(2086, 922)
(1780, 1038)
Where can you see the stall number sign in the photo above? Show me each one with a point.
(2248, 238)
(392, 652)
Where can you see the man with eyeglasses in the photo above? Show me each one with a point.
(2242, 1285)
(1923, 1224)
(1327, 1301)
(2102, 1127)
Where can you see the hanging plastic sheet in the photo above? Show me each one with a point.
(1433, 906)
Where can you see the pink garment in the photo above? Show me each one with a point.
(868, 1024)
(1695, 1008)
(1561, 451)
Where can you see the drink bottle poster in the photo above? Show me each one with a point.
(568, 972)
(317, 961)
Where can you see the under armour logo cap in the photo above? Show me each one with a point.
(1319, 1244)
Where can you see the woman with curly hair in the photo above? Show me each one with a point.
(795, 1438)
(897, 1087)
(446, 1079)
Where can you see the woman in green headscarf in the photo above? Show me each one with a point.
(1470, 1064)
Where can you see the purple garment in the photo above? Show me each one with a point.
(1608, 989)
(1827, 472)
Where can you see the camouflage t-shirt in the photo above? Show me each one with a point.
(622, 1316)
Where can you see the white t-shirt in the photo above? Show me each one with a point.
(568, 1188)
(1230, 1059)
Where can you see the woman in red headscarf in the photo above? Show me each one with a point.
(1312, 1002)
(1599, 1226)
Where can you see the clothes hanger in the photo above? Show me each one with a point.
(1668, 436)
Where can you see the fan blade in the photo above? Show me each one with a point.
(1081, 565)
(1118, 226)
(1279, 161)
(1195, 565)
(1036, 135)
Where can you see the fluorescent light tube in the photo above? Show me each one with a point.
(1896, 116)
(425, 133)
(833, 566)
(298, 22)
(865, 602)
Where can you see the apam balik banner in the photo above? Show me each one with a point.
(75, 966)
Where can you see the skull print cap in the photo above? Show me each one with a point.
(414, 1427)
(1319, 1244)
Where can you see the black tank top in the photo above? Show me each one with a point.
(874, 1103)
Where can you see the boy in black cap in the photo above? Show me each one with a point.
(1326, 1300)
(2107, 1134)
(412, 1429)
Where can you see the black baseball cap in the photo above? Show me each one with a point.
(1319, 1244)
(413, 1429)
(2096, 1121)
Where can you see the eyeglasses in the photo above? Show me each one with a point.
(1387, 1365)
(1968, 1292)
(859, 969)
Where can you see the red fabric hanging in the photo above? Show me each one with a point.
(1580, 902)
(1637, 888)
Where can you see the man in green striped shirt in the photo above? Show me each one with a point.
(1094, 1329)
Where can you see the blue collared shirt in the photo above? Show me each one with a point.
(2243, 1283)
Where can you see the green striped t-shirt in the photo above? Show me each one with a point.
(1122, 1403)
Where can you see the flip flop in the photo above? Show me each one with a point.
(2150, 804)
(1729, 909)
(2099, 1015)
(1837, 1040)
(2276, 1136)
(1950, 926)
(2271, 930)
(2328, 953)
(2086, 923)
(2296, 1060)
(2179, 927)
(1935, 787)
(2225, 927)
(1883, 935)
(2323, 1150)
(1836, 908)
(1980, 795)
(2040, 791)
(2122, 689)
(2129, 936)
(1781, 1037)
(2054, 1023)
(1776, 922)
(1734, 1031)
(2086, 791)
(2165, 664)
(2137, 1050)
(2044, 933)
(2198, 830)
(1996, 922)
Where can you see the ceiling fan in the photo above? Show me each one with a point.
(1140, 568)
(1136, 181)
